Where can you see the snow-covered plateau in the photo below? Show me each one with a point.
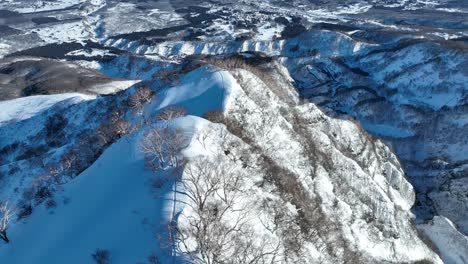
(249, 132)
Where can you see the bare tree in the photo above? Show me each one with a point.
(6, 212)
(172, 112)
(109, 132)
(162, 146)
(141, 96)
(68, 160)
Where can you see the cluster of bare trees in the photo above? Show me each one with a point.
(6, 213)
(112, 130)
(217, 223)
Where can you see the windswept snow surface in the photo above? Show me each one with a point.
(40, 6)
(113, 87)
(204, 89)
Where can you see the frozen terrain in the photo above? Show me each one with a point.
(319, 131)
(317, 153)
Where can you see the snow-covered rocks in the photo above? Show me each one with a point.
(353, 185)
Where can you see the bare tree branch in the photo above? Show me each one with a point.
(6, 212)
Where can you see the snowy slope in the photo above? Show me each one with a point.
(108, 206)
(119, 211)
(452, 244)
(119, 192)
(24, 108)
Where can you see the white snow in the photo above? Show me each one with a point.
(63, 32)
(340, 10)
(113, 87)
(4, 49)
(39, 5)
(451, 243)
(90, 53)
(23, 108)
(111, 204)
(269, 32)
(201, 90)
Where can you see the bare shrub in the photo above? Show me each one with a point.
(101, 256)
(25, 210)
(68, 160)
(43, 193)
(233, 126)
(51, 203)
(32, 152)
(159, 182)
(170, 77)
(6, 213)
(172, 112)
(121, 127)
(313, 223)
(153, 259)
(104, 135)
(110, 132)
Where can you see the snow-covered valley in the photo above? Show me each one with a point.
(221, 132)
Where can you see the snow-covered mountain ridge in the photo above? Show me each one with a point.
(263, 131)
(410, 92)
(350, 200)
